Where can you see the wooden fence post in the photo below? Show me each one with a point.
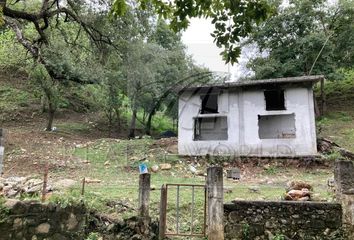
(163, 208)
(2, 147)
(83, 186)
(144, 195)
(45, 181)
(215, 203)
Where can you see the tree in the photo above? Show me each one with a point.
(306, 37)
(233, 20)
(134, 56)
(43, 16)
(154, 70)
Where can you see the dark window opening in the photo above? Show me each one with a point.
(274, 99)
(276, 126)
(209, 103)
(210, 128)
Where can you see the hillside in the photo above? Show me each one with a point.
(82, 147)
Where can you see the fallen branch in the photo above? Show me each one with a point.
(346, 153)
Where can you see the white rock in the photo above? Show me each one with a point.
(192, 169)
(155, 168)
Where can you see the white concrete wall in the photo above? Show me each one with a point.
(242, 110)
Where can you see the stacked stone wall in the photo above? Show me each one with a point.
(283, 220)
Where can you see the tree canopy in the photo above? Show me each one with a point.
(133, 61)
(233, 20)
(306, 37)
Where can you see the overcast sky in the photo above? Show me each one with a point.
(204, 51)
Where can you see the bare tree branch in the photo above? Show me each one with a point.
(41, 19)
(21, 38)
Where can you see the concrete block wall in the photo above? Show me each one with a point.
(282, 219)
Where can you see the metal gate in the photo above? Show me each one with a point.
(166, 192)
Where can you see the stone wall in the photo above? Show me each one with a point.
(344, 186)
(35, 221)
(31, 220)
(282, 220)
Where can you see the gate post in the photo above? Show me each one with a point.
(215, 203)
(144, 194)
(163, 208)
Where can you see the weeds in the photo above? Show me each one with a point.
(4, 211)
(271, 170)
(246, 231)
(279, 236)
(93, 236)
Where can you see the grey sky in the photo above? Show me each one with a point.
(201, 46)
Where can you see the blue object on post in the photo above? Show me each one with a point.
(143, 168)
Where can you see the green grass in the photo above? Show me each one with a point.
(13, 99)
(115, 163)
(338, 122)
(4, 211)
(339, 127)
(78, 128)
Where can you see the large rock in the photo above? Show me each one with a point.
(298, 185)
(64, 184)
(298, 195)
(10, 203)
(165, 166)
(72, 222)
(43, 228)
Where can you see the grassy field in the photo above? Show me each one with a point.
(339, 127)
(115, 164)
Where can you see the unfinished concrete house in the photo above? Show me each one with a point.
(266, 118)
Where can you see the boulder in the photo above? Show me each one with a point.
(63, 184)
(298, 195)
(165, 166)
(298, 185)
(43, 228)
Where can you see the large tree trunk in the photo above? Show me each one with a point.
(133, 124)
(110, 122)
(118, 118)
(149, 122)
(51, 112)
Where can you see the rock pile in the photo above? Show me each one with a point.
(298, 191)
(14, 187)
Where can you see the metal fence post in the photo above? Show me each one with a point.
(215, 203)
(163, 208)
